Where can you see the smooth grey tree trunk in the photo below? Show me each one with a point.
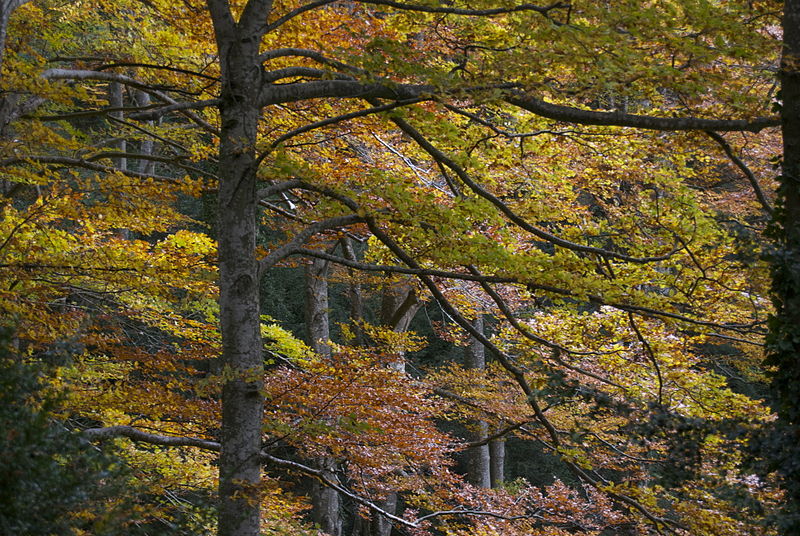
(147, 146)
(7, 8)
(325, 501)
(115, 100)
(478, 458)
(354, 294)
(10, 106)
(497, 454)
(398, 307)
(376, 524)
(316, 310)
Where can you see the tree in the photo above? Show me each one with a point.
(782, 349)
(552, 161)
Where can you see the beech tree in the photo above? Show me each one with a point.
(782, 349)
(559, 165)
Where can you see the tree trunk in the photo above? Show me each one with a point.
(497, 453)
(7, 8)
(478, 461)
(398, 307)
(382, 526)
(147, 146)
(243, 367)
(115, 100)
(376, 524)
(316, 310)
(324, 500)
(242, 401)
(783, 342)
(354, 294)
(10, 106)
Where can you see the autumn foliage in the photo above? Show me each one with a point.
(580, 190)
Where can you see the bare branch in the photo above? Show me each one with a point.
(398, 269)
(154, 66)
(300, 238)
(320, 475)
(484, 513)
(439, 156)
(156, 112)
(279, 187)
(650, 354)
(748, 173)
(345, 117)
(648, 122)
(310, 54)
(467, 12)
(271, 77)
(295, 12)
(417, 270)
(528, 334)
(174, 161)
(153, 135)
(298, 91)
(110, 432)
(77, 74)
(497, 435)
(82, 163)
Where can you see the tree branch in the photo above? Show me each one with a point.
(748, 173)
(417, 270)
(311, 54)
(290, 247)
(82, 163)
(345, 117)
(295, 12)
(589, 117)
(110, 432)
(497, 435)
(466, 12)
(439, 156)
(77, 74)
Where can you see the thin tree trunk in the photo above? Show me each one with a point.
(147, 146)
(497, 453)
(398, 307)
(316, 310)
(478, 458)
(354, 294)
(325, 501)
(7, 8)
(380, 525)
(115, 100)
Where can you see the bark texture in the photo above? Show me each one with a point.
(242, 399)
(147, 146)
(783, 343)
(316, 310)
